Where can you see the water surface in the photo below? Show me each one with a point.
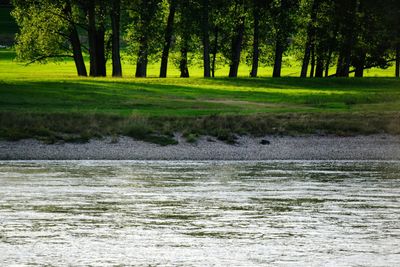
(144, 213)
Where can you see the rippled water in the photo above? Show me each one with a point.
(275, 213)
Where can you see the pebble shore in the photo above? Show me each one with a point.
(375, 147)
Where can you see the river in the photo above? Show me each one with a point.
(186, 213)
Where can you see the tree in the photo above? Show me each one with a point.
(144, 31)
(48, 31)
(310, 43)
(392, 24)
(95, 10)
(284, 22)
(351, 35)
(168, 38)
(257, 9)
(239, 11)
(205, 7)
(187, 27)
(115, 26)
(345, 15)
(219, 26)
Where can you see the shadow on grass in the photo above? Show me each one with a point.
(196, 97)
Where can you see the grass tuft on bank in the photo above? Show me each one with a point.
(75, 127)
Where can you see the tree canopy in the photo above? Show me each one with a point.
(347, 35)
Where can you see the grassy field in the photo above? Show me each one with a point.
(49, 102)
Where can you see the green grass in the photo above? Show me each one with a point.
(50, 101)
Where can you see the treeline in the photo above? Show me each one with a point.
(351, 35)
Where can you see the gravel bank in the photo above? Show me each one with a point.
(376, 147)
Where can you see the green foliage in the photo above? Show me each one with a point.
(360, 33)
(146, 19)
(42, 31)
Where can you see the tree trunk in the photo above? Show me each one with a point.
(319, 71)
(206, 38)
(339, 65)
(77, 52)
(214, 51)
(141, 65)
(100, 52)
(92, 37)
(328, 62)
(306, 60)
(278, 58)
(256, 41)
(75, 43)
(310, 39)
(349, 40)
(168, 39)
(236, 48)
(359, 72)
(96, 43)
(359, 65)
(312, 70)
(115, 25)
(398, 60)
(346, 65)
(183, 65)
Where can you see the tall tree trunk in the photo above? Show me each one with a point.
(339, 65)
(310, 39)
(75, 43)
(319, 71)
(236, 48)
(359, 65)
(115, 25)
(141, 65)
(343, 65)
(312, 70)
(398, 60)
(279, 49)
(92, 37)
(256, 40)
(328, 62)
(77, 52)
(214, 52)
(206, 38)
(306, 60)
(168, 39)
(96, 43)
(347, 61)
(183, 65)
(100, 51)
(349, 40)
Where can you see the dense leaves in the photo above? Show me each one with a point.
(323, 35)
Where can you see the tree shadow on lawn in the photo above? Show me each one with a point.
(137, 94)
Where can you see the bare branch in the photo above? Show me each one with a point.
(45, 57)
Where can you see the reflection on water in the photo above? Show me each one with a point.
(200, 213)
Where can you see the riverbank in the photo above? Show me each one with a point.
(374, 147)
(50, 104)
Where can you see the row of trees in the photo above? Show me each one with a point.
(351, 35)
